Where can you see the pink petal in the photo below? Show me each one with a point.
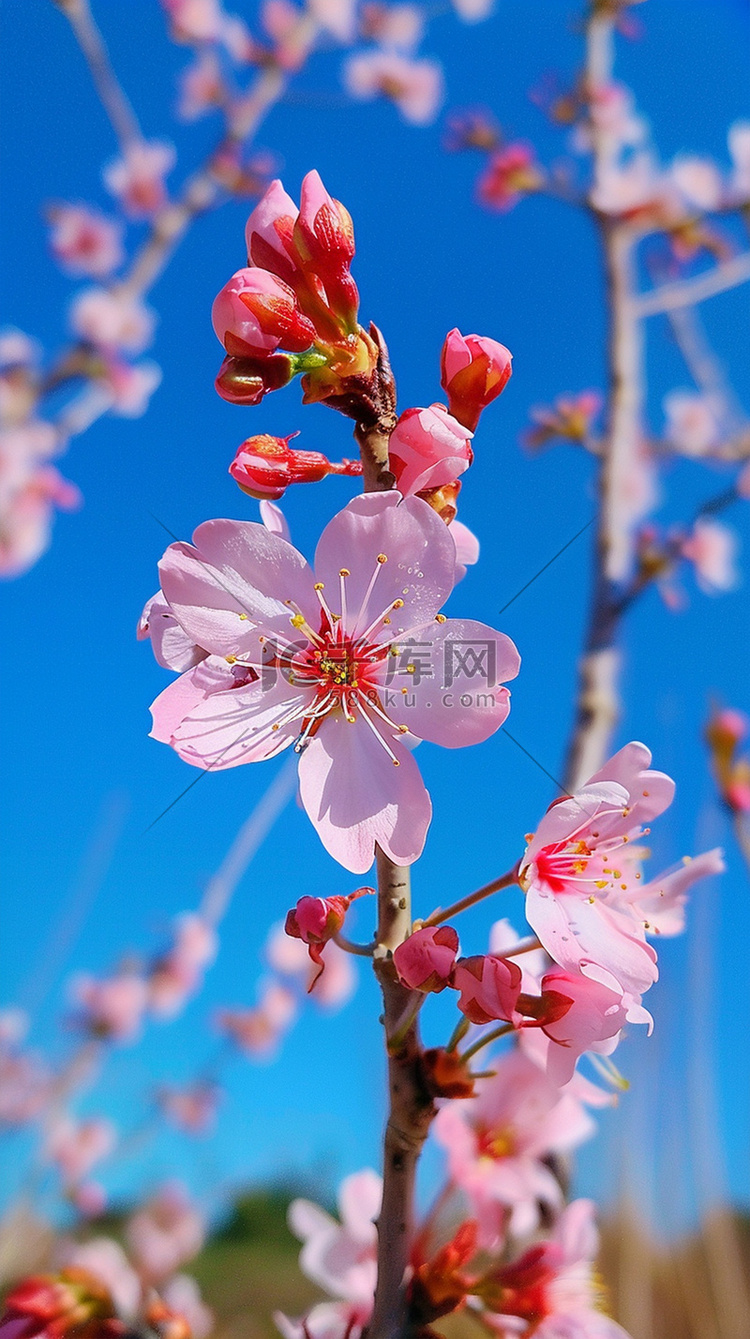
(576, 932)
(355, 796)
(236, 575)
(183, 695)
(170, 643)
(420, 567)
(235, 727)
(360, 1196)
(454, 698)
(650, 792)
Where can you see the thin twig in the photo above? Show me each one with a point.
(687, 292)
(115, 102)
(505, 881)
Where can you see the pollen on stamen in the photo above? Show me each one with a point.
(411, 669)
(403, 729)
(243, 616)
(600, 883)
(319, 585)
(382, 558)
(386, 619)
(617, 873)
(592, 898)
(396, 762)
(404, 690)
(231, 660)
(397, 604)
(344, 572)
(441, 618)
(297, 620)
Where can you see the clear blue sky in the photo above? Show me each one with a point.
(77, 685)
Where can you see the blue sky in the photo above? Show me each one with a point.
(78, 760)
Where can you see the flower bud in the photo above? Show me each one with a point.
(426, 959)
(316, 920)
(324, 242)
(268, 233)
(265, 466)
(473, 372)
(72, 1302)
(427, 449)
(447, 1074)
(257, 313)
(489, 987)
(246, 380)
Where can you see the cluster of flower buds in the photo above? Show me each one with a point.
(73, 1302)
(293, 309)
(265, 466)
(317, 920)
(725, 731)
(511, 173)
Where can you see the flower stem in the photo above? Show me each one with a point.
(501, 1031)
(505, 881)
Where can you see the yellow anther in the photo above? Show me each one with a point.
(386, 620)
(382, 558)
(319, 585)
(243, 616)
(404, 690)
(600, 883)
(297, 621)
(396, 762)
(411, 669)
(592, 899)
(344, 572)
(397, 604)
(440, 618)
(275, 726)
(618, 873)
(403, 729)
(231, 660)
(528, 837)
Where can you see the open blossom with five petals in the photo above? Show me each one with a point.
(581, 872)
(340, 663)
(496, 1140)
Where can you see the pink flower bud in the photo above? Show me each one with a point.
(268, 233)
(489, 987)
(246, 380)
(257, 313)
(428, 449)
(426, 959)
(324, 243)
(316, 920)
(511, 173)
(473, 372)
(265, 466)
(737, 796)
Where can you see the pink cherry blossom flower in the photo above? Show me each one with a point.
(76, 1146)
(467, 547)
(428, 448)
(26, 1085)
(473, 372)
(660, 903)
(194, 21)
(553, 1285)
(326, 1320)
(85, 241)
(192, 1109)
(415, 86)
(137, 178)
(591, 1020)
(178, 974)
(570, 418)
(511, 173)
(692, 423)
(202, 87)
(611, 113)
(426, 959)
(183, 1297)
(337, 17)
(165, 1233)
(280, 19)
(394, 27)
(489, 987)
(258, 1031)
(112, 1007)
(343, 693)
(341, 1257)
(699, 181)
(635, 188)
(739, 149)
(112, 321)
(580, 876)
(712, 549)
(130, 385)
(290, 958)
(496, 1140)
(107, 1261)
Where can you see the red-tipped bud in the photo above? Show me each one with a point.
(264, 466)
(473, 372)
(55, 1305)
(440, 1285)
(489, 988)
(246, 380)
(426, 959)
(257, 313)
(324, 243)
(316, 920)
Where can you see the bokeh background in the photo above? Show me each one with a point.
(87, 877)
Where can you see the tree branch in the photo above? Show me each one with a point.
(688, 292)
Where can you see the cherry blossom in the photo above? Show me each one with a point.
(692, 422)
(489, 986)
(511, 173)
(165, 1233)
(699, 181)
(192, 1109)
(394, 27)
(202, 87)
(264, 466)
(496, 1140)
(106, 1261)
(581, 871)
(712, 548)
(112, 1007)
(258, 1031)
(183, 1297)
(591, 1019)
(177, 974)
(317, 920)
(553, 1287)
(386, 565)
(76, 1146)
(340, 1257)
(112, 321)
(137, 178)
(130, 385)
(85, 241)
(416, 86)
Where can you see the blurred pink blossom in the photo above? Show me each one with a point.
(167, 1232)
(111, 1007)
(712, 549)
(416, 86)
(699, 181)
(340, 1257)
(692, 423)
(111, 320)
(85, 241)
(107, 1261)
(183, 1296)
(137, 178)
(76, 1146)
